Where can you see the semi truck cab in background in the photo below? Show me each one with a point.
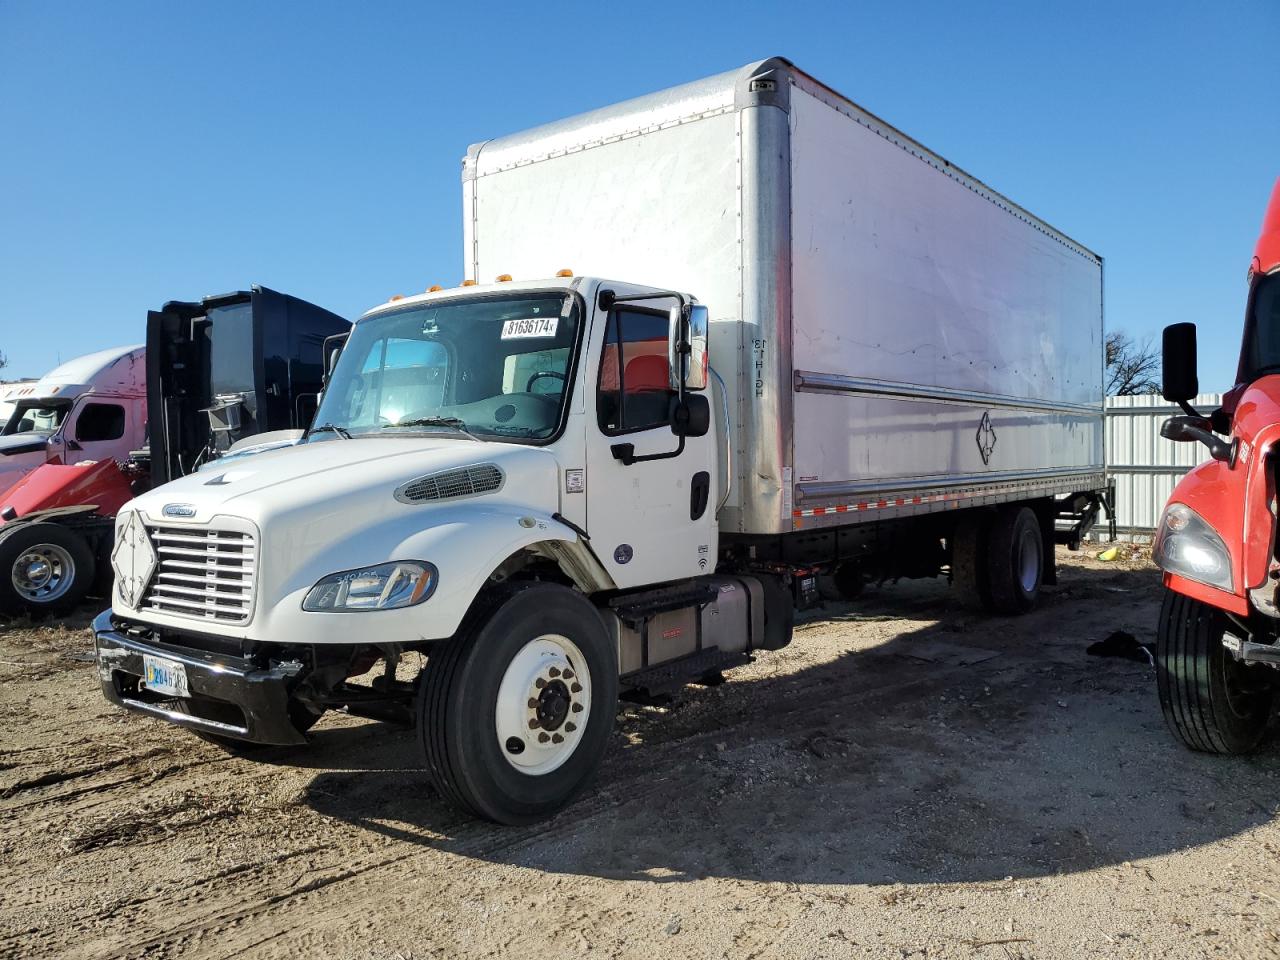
(1218, 645)
(90, 408)
(217, 375)
(756, 335)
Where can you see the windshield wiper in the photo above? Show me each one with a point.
(331, 428)
(453, 422)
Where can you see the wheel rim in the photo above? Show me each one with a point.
(1028, 561)
(42, 573)
(1242, 687)
(543, 704)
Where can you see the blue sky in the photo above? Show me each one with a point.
(157, 151)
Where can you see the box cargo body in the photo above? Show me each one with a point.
(895, 337)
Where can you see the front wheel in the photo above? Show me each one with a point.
(514, 712)
(1211, 702)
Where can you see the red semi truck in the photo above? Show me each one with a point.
(1218, 646)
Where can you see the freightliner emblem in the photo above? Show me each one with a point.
(178, 510)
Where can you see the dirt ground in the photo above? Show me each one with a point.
(907, 779)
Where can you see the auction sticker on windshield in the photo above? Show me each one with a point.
(531, 327)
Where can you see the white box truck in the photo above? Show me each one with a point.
(757, 335)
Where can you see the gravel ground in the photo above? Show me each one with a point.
(906, 779)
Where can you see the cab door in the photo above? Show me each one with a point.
(652, 520)
(99, 428)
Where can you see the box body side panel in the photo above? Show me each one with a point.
(937, 334)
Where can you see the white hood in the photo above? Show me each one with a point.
(324, 480)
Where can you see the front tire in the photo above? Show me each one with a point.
(1210, 701)
(515, 711)
(44, 569)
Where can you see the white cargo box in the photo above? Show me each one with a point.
(895, 336)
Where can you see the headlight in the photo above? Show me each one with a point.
(1189, 547)
(386, 586)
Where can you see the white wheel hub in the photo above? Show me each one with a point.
(543, 704)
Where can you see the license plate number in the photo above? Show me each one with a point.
(168, 677)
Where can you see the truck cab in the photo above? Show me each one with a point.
(491, 473)
(90, 408)
(1218, 646)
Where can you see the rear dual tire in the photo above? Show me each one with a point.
(997, 559)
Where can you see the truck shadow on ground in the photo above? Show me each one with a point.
(948, 747)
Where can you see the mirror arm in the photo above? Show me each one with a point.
(626, 452)
(1183, 429)
(1189, 410)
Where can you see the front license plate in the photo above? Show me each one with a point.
(168, 677)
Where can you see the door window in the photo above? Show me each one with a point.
(634, 391)
(99, 422)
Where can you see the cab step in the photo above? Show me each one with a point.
(703, 666)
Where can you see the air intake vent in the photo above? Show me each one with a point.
(451, 484)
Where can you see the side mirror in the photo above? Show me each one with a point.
(690, 417)
(330, 351)
(696, 373)
(687, 357)
(1179, 381)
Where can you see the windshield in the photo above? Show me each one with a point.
(1262, 330)
(36, 416)
(489, 368)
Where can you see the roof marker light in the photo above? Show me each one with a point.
(398, 296)
(468, 283)
(504, 278)
(434, 288)
(566, 272)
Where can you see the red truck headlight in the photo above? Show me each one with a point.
(1187, 546)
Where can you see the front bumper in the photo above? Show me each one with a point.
(230, 697)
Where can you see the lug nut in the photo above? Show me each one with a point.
(571, 726)
(533, 723)
(543, 738)
(554, 671)
(539, 683)
(533, 704)
(576, 688)
(577, 708)
(556, 738)
(568, 674)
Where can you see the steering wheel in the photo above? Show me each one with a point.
(528, 387)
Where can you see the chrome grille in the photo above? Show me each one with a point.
(450, 484)
(204, 574)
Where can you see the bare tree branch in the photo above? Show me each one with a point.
(1132, 367)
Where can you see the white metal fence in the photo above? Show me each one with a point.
(1143, 465)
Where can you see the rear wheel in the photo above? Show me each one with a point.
(44, 569)
(1210, 701)
(514, 712)
(968, 562)
(1014, 560)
